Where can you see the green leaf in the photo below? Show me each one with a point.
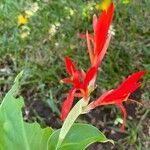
(14, 90)
(14, 132)
(72, 116)
(79, 137)
(37, 137)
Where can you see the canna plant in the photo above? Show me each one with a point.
(17, 134)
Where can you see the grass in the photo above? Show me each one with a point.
(54, 30)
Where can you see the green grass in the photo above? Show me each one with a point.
(41, 53)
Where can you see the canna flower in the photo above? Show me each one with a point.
(22, 20)
(80, 80)
(119, 95)
(98, 42)
(82, 85)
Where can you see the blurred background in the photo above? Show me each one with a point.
(36, 34)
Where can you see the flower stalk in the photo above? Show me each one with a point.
(71, 118)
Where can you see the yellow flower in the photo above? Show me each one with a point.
(22, 20)
(103, 5)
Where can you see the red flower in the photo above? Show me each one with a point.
(82, 82)
(73, 72)
(119, 95)
(98, 43)
(67, 104)
(79, 79)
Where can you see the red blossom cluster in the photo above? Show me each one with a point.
(84, 82)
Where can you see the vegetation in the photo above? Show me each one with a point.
(35, 36)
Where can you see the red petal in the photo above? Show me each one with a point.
(122, 92)
(100, 100)
(128, 89)
(94, 22)
(101, 29)
(100, 32)
(70, 66)
(89, 48)
(133, 78)
(99, 58)
(110, 13)
(124, 115)
(67, 104)
(90, 75)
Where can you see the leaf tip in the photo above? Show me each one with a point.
(18, 77)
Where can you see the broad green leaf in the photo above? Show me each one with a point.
(37, 137)
(14, 132)
(79, 137)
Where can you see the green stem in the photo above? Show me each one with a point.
(72, 116)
